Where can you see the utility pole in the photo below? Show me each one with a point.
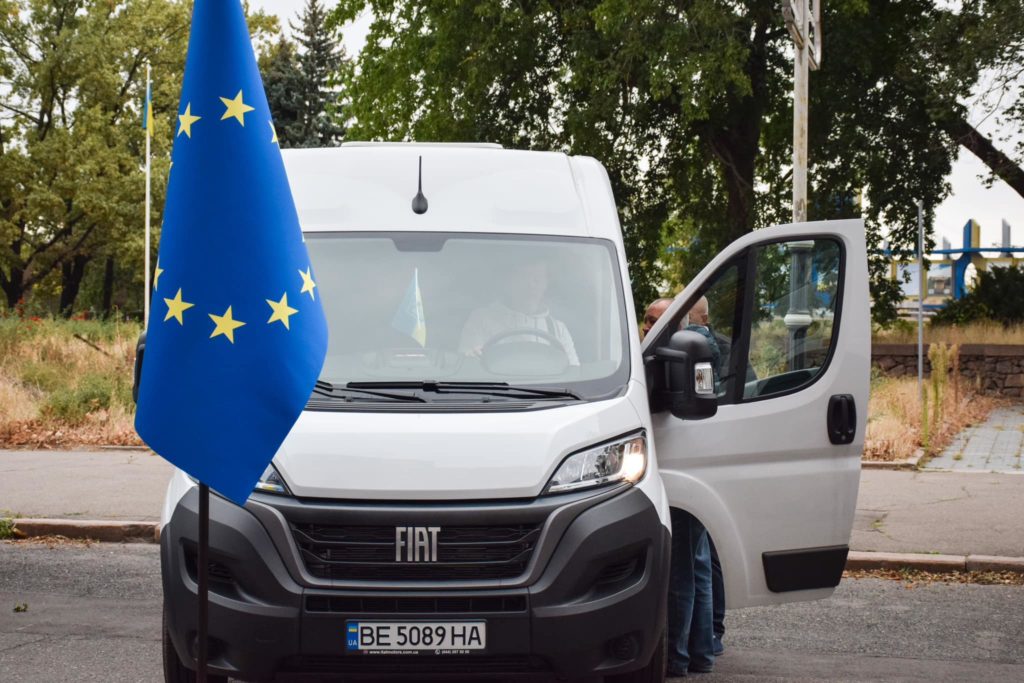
(922, 292)
(803, 21)
(148, 124)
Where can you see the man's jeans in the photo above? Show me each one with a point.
(717, 598)
(690, 620)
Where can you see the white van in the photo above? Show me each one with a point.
(481, 482)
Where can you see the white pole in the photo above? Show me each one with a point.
(800, 78)
(921, 290)
(149, 134)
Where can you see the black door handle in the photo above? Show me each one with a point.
(842, 419)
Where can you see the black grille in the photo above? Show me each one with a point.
(473, 553)
(417, 605)
(216, 572)
(620, 571)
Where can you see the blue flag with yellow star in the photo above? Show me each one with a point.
(237, 337)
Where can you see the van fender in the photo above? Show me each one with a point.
(694, 496)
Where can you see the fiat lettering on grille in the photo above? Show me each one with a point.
(416, 543)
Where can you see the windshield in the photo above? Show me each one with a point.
(458, 307)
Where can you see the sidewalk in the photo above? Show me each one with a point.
(109, 484)
(897, 512)
(996, 445)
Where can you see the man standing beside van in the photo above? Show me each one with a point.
(696, 608)
(654, 311)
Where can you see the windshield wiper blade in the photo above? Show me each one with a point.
(493, 388)
(327, 389)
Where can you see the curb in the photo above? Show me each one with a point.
(934, 563)
(910, 463)
(95, 530)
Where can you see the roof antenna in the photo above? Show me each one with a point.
(419, 202)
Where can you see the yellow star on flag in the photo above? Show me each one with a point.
(273, 139)
(225, 324)
(235, 108)
(282, 311)
(175, 307)
(156, 275)
(186, 120)
(307, 283)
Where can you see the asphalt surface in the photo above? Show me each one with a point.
(940, 512)
(93, 615)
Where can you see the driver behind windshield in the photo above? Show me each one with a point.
(522, 305)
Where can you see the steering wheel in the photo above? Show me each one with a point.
(521, 332)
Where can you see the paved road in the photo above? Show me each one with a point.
(940, 512)
(93, 616)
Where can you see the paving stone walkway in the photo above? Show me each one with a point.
(996, 445)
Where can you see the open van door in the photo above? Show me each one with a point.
(770, 463)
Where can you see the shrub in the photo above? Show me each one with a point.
(45, 377)
(93, 392)
(998, 295)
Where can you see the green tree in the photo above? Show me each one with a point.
(72, 144)
(284, 82)
(996, 296)
(70, 134)
(320, 61)
(984, 38)
(687, 104)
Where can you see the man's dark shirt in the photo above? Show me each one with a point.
(716, 353)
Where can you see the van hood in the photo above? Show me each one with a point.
(442, 456)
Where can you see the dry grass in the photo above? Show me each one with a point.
(51, 542)
(974, 333)
(894, 418)
(66, 383)
(913, 578)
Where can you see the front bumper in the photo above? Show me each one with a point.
(591, 603)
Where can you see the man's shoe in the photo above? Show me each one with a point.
(718, 648)
(700, 669)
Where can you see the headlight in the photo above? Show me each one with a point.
(272, 482)
(621, 460)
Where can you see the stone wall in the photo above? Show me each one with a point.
(997, 369)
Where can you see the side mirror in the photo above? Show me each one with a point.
(140, 349)
(689, 381)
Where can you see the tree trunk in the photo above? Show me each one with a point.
(14, 289)
(735, 141)
(71, 273)
(738, 158)
(108, 287)
(968, 137)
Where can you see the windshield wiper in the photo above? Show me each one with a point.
(488, 388)
(327, 389)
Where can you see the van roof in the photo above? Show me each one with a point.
(469, 187)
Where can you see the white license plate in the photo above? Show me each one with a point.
(436, 637)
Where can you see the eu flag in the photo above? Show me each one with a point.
(238, 336)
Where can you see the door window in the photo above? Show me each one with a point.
(714, 315)
(793, 318)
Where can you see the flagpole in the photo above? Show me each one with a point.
(149, 134)
(203, 585)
